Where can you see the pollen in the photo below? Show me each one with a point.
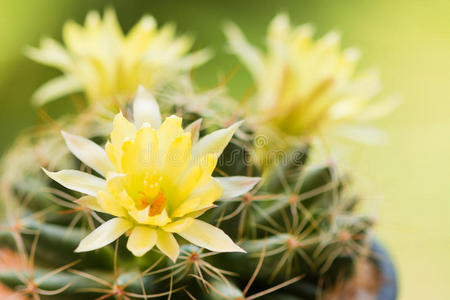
(159, 202)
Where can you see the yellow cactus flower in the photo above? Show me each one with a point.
(107, 65)
(157, 182)
(303, 86)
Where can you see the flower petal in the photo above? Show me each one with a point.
(168, 245)
(56, 88)
(169, 130)
(249, 55)
(89, 153)
(194, 129)
(50, 53)
(110, 204)
(207, 194)
(187, 206)
(179, 225)
(122, 130)
(141, 240)
(104, 234)
(207, 236)
(140, 155)
(235, 186)
(215, 142)
(176, 161)
(146, 109)
(90, 202)
(142, 217)
(78, 181)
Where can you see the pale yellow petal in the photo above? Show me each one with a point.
(142, 217)
(141, 240)
(146, 109)
(140, 155)
(215, 142)
(207, 163)
(168, 245)
(56, 88)
(184, 186)
(177, 160)
(122, 130)
(78, 181)
(178, 225)
(235, 186)
(249, 55)
(89, 153)
(90, 202)
(186, 206)
(167, 132)
(137, 40)
(110, 204)
(207, 193)
(104, 234)
(198, 213)
(207, 236)
(114, 156)
(50, 53)
(112, 24)
(73, 37)
(118, 192)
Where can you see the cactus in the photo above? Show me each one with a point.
(289, 227)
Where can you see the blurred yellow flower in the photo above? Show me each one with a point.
(304, 87)
(107, 65)
(156, 183)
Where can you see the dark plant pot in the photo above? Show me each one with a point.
(389, 284)
(386, 281)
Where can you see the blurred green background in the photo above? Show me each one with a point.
(408, 40)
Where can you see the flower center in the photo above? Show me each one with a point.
(152, 195)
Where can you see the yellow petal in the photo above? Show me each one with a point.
(207, 236)
(207, 164)
(91, 203)
(116, 188)
(78, 181)
(177, 159)
(207, 193)
(89, 153)
(122, 130)
(141, 240)
(168, 245)
(114, 156)
(56, 88)
(184, 186)
(248, 54)
(198, 213)
(50, 53)
(187, 206)
(73, 37)
(215, 142)
(112, 24)
(110, 204)
(138, 38)
(167, 132)
(235, 186)
(140, 155)
(104, 234)
(146, 109)
(195, 176)
(142, 217)
(178, 225)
